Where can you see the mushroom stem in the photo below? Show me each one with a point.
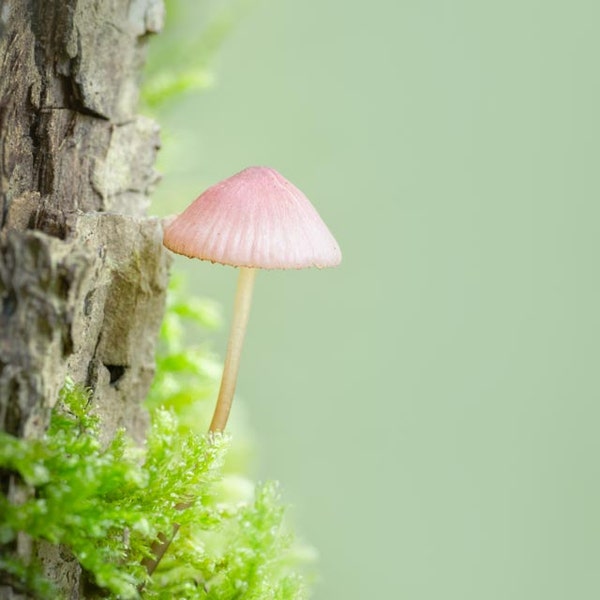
(241, 311)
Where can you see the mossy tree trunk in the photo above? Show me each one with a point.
(82, 270)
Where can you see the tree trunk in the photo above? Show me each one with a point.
(82, 269)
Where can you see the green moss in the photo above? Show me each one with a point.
(107, 505)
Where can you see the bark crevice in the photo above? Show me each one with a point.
(83, 273)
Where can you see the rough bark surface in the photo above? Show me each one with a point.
(82, 270)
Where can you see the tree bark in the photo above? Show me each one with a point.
(82, 270)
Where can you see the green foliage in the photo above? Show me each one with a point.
(179, 60)
(247, 557)
(187, 375)
(25, 578)
(107, 504)
(102, 503)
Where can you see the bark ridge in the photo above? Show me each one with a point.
(83, 273)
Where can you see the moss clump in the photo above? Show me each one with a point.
(108, 505)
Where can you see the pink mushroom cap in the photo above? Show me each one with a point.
(255, 218)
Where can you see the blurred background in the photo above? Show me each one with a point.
(431, 406)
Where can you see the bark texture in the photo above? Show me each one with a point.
(82, 270)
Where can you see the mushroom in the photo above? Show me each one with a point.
(255, 219)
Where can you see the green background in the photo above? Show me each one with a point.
(431, 406)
